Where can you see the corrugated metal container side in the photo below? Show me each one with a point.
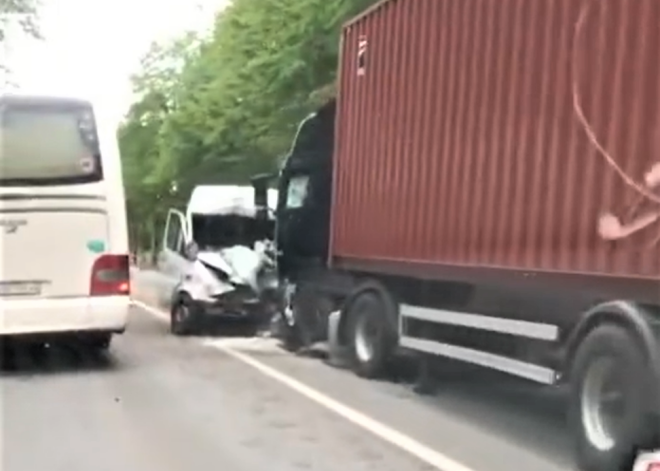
(498, 133)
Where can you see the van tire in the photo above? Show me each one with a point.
(184, 316)
(370, 352)
(608, 348)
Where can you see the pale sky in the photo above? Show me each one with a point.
(91, 47)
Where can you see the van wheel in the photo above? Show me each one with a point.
(372, 341)
(609, 403)
(183, 316)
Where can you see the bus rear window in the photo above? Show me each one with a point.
(48, 144)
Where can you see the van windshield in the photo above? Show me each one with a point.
(47, 142)
(219, 232)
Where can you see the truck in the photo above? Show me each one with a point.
(484, 187)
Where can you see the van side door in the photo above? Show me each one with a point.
(172, 261)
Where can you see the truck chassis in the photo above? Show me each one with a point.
(608, 360)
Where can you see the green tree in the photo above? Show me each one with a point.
(22, 13)
(231, 105)
(16, 15)
(154, 86)
(244, 93)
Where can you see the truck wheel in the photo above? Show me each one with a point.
(183, 316)
(291, 340)
(310, 318)
(609, 402)
(371, 338)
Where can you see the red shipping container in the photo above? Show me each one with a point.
(500, 134)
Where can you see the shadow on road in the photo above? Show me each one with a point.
(521, 412)
(513, 409)
(24, 359)
(229, 328)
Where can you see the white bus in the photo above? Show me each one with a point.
(64, 257)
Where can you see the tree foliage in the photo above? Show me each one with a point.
(219, 109)
(16, 15)
(20, 12)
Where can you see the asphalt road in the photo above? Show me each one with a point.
(161, 403)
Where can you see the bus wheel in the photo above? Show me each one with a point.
(101, 342)
(609, 402)
(97, 342)
(372, 340)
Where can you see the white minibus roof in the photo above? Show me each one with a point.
(226, 199)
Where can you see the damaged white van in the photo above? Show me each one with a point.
(217, 259)
(64, 265)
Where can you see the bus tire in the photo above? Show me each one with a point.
(609, 371)
(371, 339)
(100, 342)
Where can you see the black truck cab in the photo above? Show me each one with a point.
(302, 228)
(305, 196)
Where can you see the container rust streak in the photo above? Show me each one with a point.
(506, 133)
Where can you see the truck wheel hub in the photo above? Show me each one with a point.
(365, 339)
(603, 404)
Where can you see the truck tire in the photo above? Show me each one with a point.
(310, 314)
(371, 338)
(184, 316)
(609, 403)
(291, 339)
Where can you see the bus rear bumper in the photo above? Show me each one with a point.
(43, 316)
